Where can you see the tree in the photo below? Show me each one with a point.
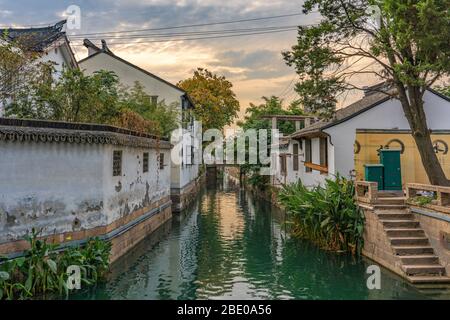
(404, 42)
(20, 70)
(164, 118)
(271, 106)
(29, 90)
(215, 102)
(445, 90)
(74, 97)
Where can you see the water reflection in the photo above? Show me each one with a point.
(233, 246)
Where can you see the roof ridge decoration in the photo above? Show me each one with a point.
(38, 38)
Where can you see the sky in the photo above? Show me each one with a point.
(254, 64)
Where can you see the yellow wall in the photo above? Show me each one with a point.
(412, 168)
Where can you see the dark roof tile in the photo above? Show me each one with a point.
(35, 39)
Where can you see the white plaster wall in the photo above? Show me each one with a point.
(308, 179)
(50, 186)
(129, 75)
(182, 175)
(136, 188)
(388, 115)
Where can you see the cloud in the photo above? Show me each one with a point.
(259, 63)
(253, 63)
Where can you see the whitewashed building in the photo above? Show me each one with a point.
(49, 43)
(184, 175)
(326, 148)
(75, 181)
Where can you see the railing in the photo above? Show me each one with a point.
(440, 203)
(366, 192)
(316, 167)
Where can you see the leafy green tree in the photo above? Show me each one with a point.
(20, 71)
(404, 42)
(163, 117)
(215, 102)
(445, 90)
(271, 106)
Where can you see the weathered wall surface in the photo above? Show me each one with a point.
(68, 190)
(438, 232)
(412, 169)
(182, 175)
(377, 245)
(55, 187)
(388, 115)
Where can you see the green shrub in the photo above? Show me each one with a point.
(421, 200)
(43, 268)
(326, 215)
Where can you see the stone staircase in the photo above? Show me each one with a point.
(408, 241)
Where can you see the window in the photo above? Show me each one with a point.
(145, 162)
(308, 153)
(295, 157)
(283, 164)
(324, 152)
(161, 161)
(117, 163)
(154, 100)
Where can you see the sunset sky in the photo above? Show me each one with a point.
(253, 63)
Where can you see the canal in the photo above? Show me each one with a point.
(230, 245)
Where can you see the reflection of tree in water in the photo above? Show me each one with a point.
(216, 256)
(232, 245)
(261, 242)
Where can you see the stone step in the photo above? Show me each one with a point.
(404, 232)
(412, 250)
(425, 259)
(395, 216)
(391, 193)
(391, 200)
(428, 279)
(425, 269)
(389, 206)
(409, 241)
(400, 224)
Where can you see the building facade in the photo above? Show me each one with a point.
(184, 172)
(328, 148)
(72, 182)
(49, 43)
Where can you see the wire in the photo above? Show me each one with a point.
(287, 88)
(194, 25)
(198, 38)
(225, 31)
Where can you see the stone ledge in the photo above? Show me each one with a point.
(17, 130)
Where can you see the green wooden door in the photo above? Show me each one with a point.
(374, 173)
(390, 158)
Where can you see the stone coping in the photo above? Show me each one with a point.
(17, 130)
(430, 212)
(20, 130)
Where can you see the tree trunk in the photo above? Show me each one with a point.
(413, 106)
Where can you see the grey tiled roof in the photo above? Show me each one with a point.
(35, 39)
(344, 114)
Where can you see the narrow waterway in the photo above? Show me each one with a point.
(230, 245)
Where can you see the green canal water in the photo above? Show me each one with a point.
(230, 245)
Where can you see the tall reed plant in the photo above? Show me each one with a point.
(327, 215)
(43, 268)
